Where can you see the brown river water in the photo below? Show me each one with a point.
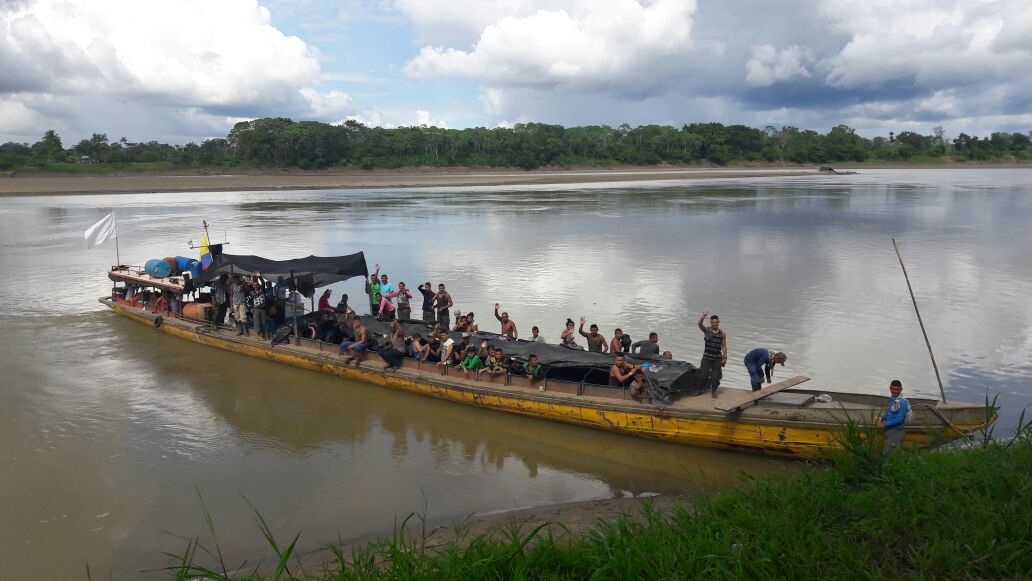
(110, 430)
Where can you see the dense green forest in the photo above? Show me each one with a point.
(283, 143)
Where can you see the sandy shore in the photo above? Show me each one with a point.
(152, 183)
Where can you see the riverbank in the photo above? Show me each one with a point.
(153, 183)
(955, 513)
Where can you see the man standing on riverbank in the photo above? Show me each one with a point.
(508, 327)
(759, 363)
(714, 354)
(894, 418)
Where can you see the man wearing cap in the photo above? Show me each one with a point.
(760, 362)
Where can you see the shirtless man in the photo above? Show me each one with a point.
(621, 371)
(615, 345)
(356, 350)
(508, 327)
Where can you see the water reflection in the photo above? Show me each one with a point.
(100, 416)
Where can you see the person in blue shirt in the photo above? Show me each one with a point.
(894, 418)
(760, 363)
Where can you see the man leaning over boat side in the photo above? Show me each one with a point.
(895, 417)
(759, 363)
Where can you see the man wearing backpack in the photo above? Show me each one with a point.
(897, 413)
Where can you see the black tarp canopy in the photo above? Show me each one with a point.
(310, 271)
(666, 378)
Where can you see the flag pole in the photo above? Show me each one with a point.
(942, 390)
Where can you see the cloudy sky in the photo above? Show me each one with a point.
(180, 71)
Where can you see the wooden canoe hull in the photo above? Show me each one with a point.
(767, 430)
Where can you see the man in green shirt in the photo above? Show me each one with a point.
(472, 361)
(532, 369)
(372, 288)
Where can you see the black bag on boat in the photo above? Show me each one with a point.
(282, 334)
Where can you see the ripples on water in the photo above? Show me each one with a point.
(108, 427)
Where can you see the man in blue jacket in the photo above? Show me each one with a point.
(894, 418)
(760, 362)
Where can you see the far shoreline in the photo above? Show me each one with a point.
(289, 179)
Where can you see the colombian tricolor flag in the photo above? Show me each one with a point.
(205, 252)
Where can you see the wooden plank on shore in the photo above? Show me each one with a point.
(737, 404)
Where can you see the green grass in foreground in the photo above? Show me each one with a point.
(955, 513)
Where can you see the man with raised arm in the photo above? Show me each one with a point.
(372, 288)
(508, 327)
(429, 316)
(714, 353)
(596, 342)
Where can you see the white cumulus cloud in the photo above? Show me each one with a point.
(224, 58)
(612, 45)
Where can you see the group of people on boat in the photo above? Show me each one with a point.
(268, 305)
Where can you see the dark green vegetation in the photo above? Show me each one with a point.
(283, 143)
(956, 513)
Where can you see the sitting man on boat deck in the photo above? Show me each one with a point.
(759, 363)
(446, 349)
(714, 354)
(417, 346)
(432, 351)
(621, 371)
(596, 342)
(649, 347)
(497, 363)
(508, 326)
(471, 362)
(532, 369)
(471, 322)
(395, 352)
(355, 349)
(895, 417)
(462, 326)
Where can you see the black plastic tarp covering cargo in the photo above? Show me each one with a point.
(666, 379)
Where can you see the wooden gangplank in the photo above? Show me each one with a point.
(755, 396)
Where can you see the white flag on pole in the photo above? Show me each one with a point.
(101, 231)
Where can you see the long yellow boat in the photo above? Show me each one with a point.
(781, 419)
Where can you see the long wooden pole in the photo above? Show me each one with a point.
(942, 391)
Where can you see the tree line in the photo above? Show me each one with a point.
(284, 143)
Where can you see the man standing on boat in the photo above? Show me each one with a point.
(238, 300)
(714, 354)
(648, 347)
(760, 362)
(508, 327)
(443, 302)
(372, 288)
(596, 342)
(895, 417)
(404, 296)
(429, 316)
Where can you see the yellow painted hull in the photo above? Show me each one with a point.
(784, 436)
